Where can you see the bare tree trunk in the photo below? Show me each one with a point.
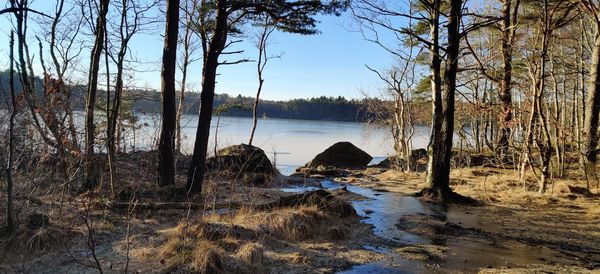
(209, 71)
(166, 153)
(180, 110)
(509, 22)
(592, 110)
(263, 58)
(92, 177)
(435, 171)
(440, 146)
(557, 111)
(10, 214)
(187, 52)
(110, 155)
(255, 106)
(180, 107)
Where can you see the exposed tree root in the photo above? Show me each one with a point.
(446, 196)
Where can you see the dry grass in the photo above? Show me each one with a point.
(287, 224)
(253, 255)
(36, 241)
(234, 242)
(499, 186)
(207, 258)
(188, 247)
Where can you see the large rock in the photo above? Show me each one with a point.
(341, 154)
(241, 159)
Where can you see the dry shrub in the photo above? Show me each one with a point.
(179, 247)
(252, 254)
(188, 245)
(292, 224)
(201, 245)
(207, 258)
(43, 239)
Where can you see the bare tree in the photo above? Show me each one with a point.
(554, 15)
(263, 58)
(189, 45)
(375, 17)
(63, 51)
(133, 19)
(440, 144)
(92, 176)
(510, 10)
(10, 214)
(592, 106)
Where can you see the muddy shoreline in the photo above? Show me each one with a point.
(513, 230)
(496, 236)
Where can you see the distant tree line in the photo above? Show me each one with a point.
(148, 101)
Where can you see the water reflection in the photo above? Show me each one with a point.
(286, 142)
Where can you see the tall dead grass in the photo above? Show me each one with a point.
(235, 242)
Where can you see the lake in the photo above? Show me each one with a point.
(289, 143)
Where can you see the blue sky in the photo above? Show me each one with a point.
(331, 63)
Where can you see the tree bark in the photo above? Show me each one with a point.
(211, 62)
(508, 24)
(10, 214)
(166, 153)
(592, 108)
(92, 179)
(440, 146)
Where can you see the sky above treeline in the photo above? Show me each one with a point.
(331, 63)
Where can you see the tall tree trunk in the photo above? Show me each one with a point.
(440, 146)
(209, 71)
(10, 214)
(435, 157)
(181, 105)
(92, 177)
(592, 109)
(187, 52)
(166, 153)
(508, 25)
(110, 155)
(113, 116)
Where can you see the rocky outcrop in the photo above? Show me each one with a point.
(341, 155)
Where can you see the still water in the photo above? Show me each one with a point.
(289, 143)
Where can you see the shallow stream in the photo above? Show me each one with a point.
(385, 211)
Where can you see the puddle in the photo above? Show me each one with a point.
(384, 210)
